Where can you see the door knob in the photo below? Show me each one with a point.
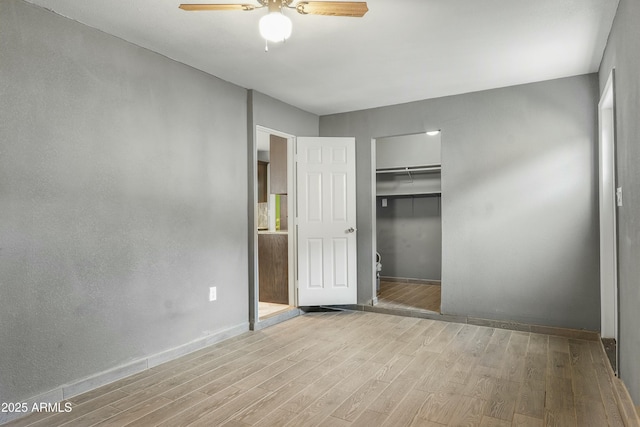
(351, 230)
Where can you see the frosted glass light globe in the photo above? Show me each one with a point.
(275, 27)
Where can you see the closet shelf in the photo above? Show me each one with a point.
(411, 170)
(392, 193)
(421, 169)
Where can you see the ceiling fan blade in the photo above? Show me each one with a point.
(333, 8)
(197, 7)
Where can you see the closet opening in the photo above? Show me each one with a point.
(408, 223)
(409, 238)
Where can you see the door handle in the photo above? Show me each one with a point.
(351, 230)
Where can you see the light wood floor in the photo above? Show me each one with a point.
(363, 369)
(409, 296)
(268, 309)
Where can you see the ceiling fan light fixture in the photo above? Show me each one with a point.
(275, 27)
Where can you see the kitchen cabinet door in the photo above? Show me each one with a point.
(273, 267)
(278, 159)
(262, 182)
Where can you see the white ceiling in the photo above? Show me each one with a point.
(400, 51)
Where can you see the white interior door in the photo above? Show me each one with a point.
(326, 197)
(608, 234)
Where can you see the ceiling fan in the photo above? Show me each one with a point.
(275, 26)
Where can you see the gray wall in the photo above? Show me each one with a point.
(409, 236)
(623, 53)
(122, 174)
(519, 200)
(278, 116)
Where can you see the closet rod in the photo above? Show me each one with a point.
(409, 170)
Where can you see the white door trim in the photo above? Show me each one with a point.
(607, 209)
(291, 200)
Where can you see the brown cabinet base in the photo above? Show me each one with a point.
(273, 268)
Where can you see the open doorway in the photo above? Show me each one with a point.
(408, 224)
(274, 233)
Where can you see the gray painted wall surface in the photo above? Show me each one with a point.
(623, 53)
(274, 114)
(519, 198)
(278, 116)
(409, 236)
(122, 175)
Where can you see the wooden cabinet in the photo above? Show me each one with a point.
(262, 182)
(273, 267)
(278, 159)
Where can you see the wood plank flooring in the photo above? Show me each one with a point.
(409, 296)
(268, 309)
(362, 369)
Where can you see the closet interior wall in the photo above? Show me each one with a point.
(409, 235)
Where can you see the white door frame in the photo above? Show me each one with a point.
(374, 224)
(609, 297)
(291, 187)
(374, 211)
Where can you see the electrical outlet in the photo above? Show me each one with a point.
(213, 293)
(384, 203)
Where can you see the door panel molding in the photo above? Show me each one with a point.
(326, 221)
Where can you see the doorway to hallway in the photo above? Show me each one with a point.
(274, 259)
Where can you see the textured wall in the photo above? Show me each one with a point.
(122, 174)
(519, 198)
(409, 236)
(276, 115)
(623, 54)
